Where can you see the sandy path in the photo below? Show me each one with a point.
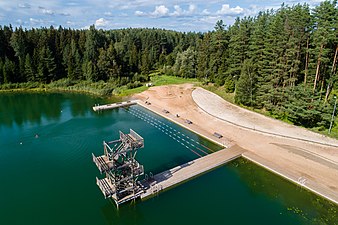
(218, 107)
(309, 164)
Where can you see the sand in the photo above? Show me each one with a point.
(304, 157)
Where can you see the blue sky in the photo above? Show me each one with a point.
(180, 15)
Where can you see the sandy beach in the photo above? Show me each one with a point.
(306, 158)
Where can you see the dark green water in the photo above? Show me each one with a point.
(50, 179)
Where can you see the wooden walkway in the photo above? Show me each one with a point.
(179, 174)
(114, 105)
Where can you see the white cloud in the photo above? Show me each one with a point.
(140, 13)
(206, 12)
(180, 12)
(163, 11)
(65, 14)
(227, 10)
(24, 5)
(101, 22)
(192, 8)
(210, 19)
(70, 23)
(40, 22)
(46, 11)
(19, 21)
(72, 3)
(35, 22)
(85, 27)
(108, 14)
(160, 11)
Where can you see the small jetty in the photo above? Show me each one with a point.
(114, 105)
(170, 178)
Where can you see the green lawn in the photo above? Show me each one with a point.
(156, 80)
(166, 80)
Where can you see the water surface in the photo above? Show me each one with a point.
(47, 176)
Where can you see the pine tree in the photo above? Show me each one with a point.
(19, 44)
(258, 52)
(218, 54)
(1, 72)
(246, 85)
(203, 58)
(107, 64)
(238, 45)
(324, 17)
(305, 108)
(90, 55)
(29, 70)
(8, 71)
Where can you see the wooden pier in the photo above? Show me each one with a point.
(114, 105)
(179, 174)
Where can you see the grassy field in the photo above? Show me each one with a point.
(166, 80)
(230, 97)
(156, 80)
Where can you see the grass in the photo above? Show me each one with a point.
(167, 80)
(156, 80)
(230, 97)
(123, 91)
(100, 88)
(220, 91)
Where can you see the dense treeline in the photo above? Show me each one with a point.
(46, 55)
(282, 61)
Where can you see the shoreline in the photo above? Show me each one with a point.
(158, 112)
(294, 172)
(252, 127)
(247, 156)
(289, 178)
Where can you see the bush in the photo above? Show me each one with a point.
(134, 85)
(66, 82)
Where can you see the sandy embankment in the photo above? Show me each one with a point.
(304, 157)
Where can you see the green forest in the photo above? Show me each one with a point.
(282, 62)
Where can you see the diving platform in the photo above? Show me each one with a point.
(187, 171)
(109, 191)
(122, 170)
(103, 163)
(114, 105)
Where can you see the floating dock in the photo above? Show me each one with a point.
(114, 105)
(179, 174)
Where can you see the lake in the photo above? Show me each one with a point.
(48, 177)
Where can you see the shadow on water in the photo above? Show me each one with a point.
(37, 106)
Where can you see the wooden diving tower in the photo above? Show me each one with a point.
(122, 170)
(120, 167)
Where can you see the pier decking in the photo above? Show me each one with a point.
(114, 105)
(174, 176)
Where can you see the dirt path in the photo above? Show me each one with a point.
(219, 108)
(307, 163)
